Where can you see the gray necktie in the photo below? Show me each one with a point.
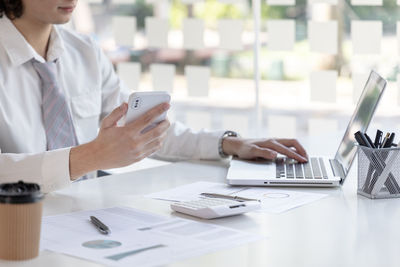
(57, 119)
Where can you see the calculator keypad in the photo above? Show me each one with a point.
(205, 203)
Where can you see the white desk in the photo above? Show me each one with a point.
(344, 229)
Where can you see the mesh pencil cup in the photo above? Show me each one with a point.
(378, 172)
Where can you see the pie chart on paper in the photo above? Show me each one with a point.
(101, 244)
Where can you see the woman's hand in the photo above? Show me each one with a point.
(264, 148)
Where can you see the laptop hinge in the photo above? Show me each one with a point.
(337, 169)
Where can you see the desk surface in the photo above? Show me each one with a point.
(344, 229)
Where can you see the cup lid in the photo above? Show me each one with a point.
(19, 193)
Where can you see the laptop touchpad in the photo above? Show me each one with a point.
(260, 169)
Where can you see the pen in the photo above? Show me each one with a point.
(390, 141)
(378, 138)
(228, 197)
(385, 140)
(100, 226)
(369, 140)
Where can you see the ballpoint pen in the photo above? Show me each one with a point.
(390, 140)
(378, 138)
(100, 226)
(385, 140)
(213, 195)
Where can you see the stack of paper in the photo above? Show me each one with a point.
(137, 238)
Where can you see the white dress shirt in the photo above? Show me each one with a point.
(92, 90)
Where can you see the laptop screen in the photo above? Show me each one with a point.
(360, 120)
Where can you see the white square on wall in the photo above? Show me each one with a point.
(230, 34)
(193, 33)
(162, 76)
(359, 81)
(366, 2)
(281, 34)
(198, 120)
(129, 72)
(124, 30)
(281, 2)
(322, 126)
(197, 79)
(323, 37)
(323, 86)
(157, 32)
(366, 36)
(281, 126)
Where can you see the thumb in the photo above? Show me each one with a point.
(114, 116)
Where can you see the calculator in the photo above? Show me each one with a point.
(211, 208)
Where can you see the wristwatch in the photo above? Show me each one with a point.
(225, 134)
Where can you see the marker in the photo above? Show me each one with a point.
(362, 141)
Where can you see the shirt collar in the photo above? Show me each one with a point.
(56, 45)
(20, 51)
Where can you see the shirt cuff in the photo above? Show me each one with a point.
(209, 145)
(55, 169)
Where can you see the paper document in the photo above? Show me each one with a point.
(192, 191)
(277, 200)
(272, 200)
(137, 238)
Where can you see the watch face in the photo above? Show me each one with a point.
(231, 133)
(226, 134)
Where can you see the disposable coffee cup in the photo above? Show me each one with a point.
(20, 220)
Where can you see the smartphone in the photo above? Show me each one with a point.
(141, 102)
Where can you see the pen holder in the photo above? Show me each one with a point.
(378, 172)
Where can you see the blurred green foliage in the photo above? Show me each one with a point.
(209, 10)
(178, 12)
(140, 9)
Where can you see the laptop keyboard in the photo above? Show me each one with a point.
(313, 169)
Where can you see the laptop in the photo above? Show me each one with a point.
(318, 171)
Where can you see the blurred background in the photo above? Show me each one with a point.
(314, 59)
